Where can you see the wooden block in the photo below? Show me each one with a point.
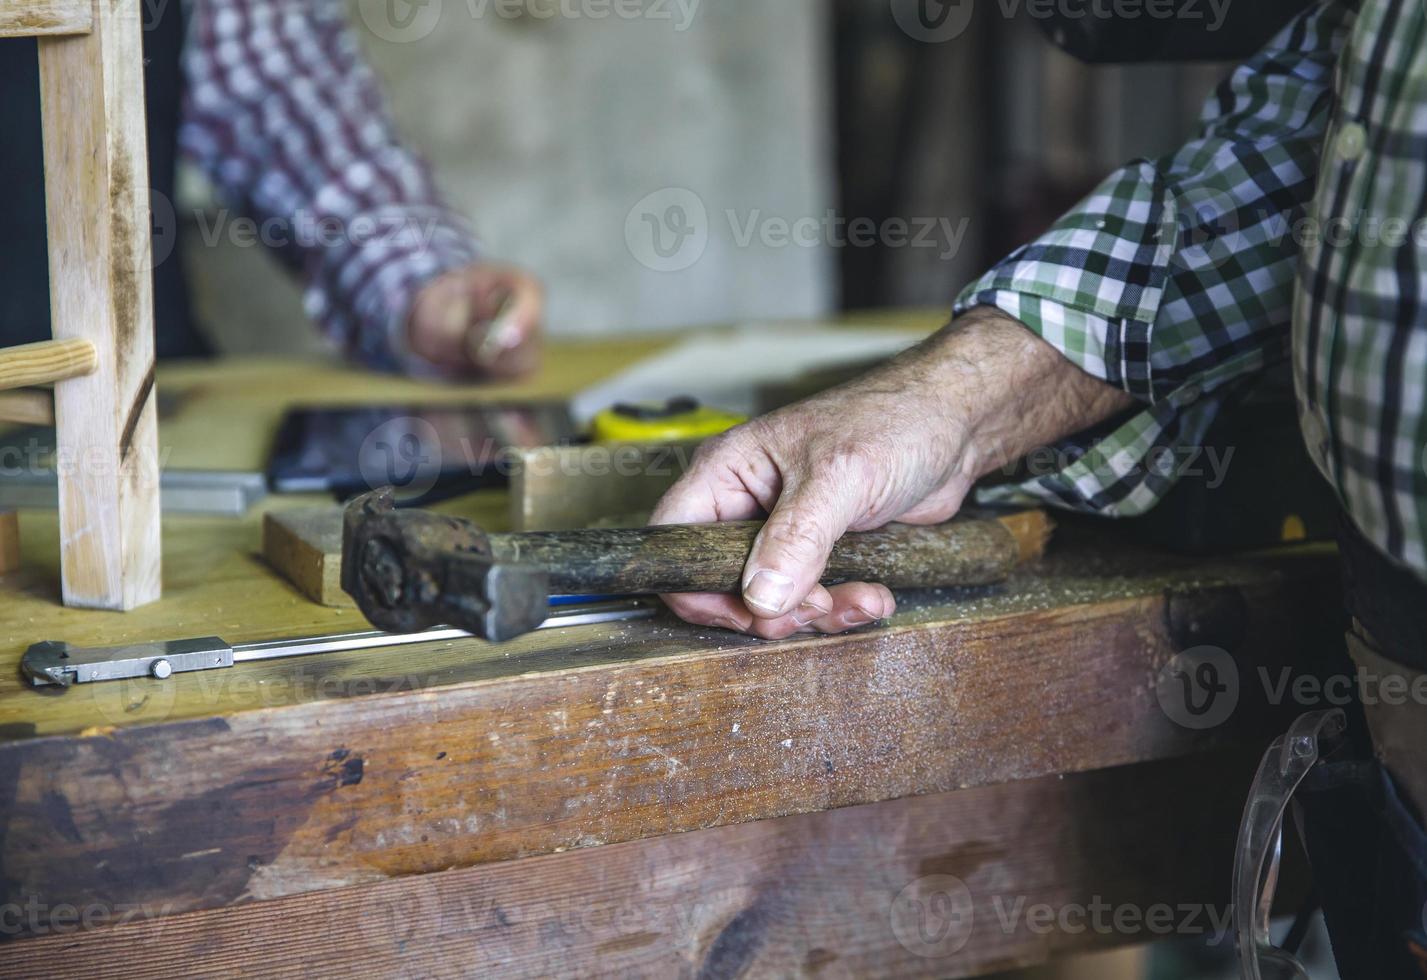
(28, 406)
(9, 541)
(565, 488)
(305, 547)
(46, 362)
(96, 193)
(26, 18)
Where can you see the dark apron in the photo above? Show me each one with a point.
(24, 256)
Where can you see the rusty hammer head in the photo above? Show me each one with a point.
(410, 570)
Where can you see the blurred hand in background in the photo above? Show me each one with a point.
(483, 320)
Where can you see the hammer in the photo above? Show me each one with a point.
(410, 570)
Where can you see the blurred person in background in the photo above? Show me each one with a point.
(274, 102)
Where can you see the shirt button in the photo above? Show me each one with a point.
(1352, 140)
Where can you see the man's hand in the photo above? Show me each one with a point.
(482, 320)
(904, 442)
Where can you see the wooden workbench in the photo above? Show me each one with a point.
(646, 798)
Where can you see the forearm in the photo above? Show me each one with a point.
(1013, 390)
(289, 123)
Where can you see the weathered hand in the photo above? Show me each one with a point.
(482, 320)
(904, 442)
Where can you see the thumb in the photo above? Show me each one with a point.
(791, 551)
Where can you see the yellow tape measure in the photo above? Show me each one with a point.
(677, 419)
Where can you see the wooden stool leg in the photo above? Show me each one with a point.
(96, 192)
(9, 541)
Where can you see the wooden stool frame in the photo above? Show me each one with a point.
(101, 360)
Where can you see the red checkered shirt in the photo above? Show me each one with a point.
(287, 119)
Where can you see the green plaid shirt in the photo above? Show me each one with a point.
(1303, 201)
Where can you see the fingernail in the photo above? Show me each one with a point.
(858, 617)
(768, 591)
(727, 624)
(808, 613)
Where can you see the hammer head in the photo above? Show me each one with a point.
(410, 570)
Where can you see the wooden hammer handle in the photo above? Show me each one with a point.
(710, 557)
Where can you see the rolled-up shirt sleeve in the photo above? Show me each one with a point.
(1174, 278)
(286, 118)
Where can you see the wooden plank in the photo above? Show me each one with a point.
(24, 18)
(837, 894)
(46, 362)
(9, 541)
(28, 407)
(96, 193)
(384, 764)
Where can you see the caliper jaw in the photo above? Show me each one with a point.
(53, 663)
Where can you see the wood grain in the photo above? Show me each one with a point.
(46, 362)
(28, 407)
(9, 541)
(96, 193)
(711, 557)
(305, 547)
(562, 488)
(384, 764)
(806, 895)
(24, 18)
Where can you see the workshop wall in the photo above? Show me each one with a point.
(548, 121)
